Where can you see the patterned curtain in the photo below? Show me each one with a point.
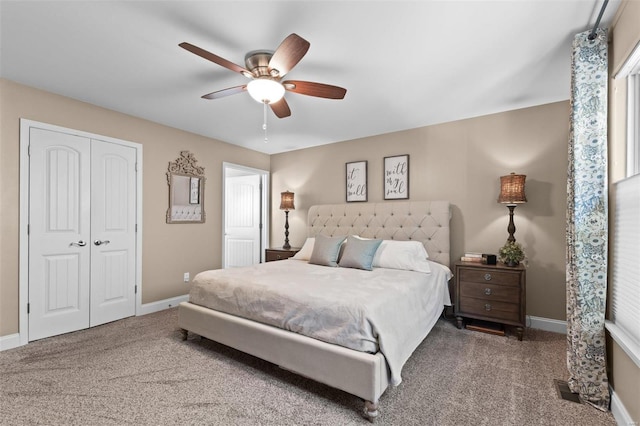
(587, 212)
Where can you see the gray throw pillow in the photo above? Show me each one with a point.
(359, 253)
(325, 250)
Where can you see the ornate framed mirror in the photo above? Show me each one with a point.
(186, 190)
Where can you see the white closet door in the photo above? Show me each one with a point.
(82, 239)
(59, 222)
(242, 221)
(113, 242)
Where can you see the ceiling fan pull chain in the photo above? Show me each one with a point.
(264, 123)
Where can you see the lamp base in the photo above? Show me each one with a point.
(286, 244)
(512, 227)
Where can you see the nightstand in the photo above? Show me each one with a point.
(493, 293)
(280, 253)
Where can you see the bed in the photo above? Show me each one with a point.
(371, 361)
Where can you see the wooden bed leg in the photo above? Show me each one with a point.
(371, 410)
(185, 333)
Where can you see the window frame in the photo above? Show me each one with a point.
(630, 71)
(633, 122)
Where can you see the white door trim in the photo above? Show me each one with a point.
(23, 271)
(264, 200)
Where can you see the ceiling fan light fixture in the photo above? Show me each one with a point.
(265, 69)
(265, 90)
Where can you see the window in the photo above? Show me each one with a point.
(624, 305)
(625, 269)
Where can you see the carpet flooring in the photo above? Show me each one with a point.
(138, 371)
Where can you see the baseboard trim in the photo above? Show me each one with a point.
(547, 324)
(619, 411)
(9, 341)
(149, 308)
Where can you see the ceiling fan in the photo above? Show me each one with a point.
(266, 69)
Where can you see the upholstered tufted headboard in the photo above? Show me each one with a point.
(425, 221)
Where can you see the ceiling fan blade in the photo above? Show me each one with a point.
(318, 90)
(288, 54)
(225, 92)
(215, 59)
(281, 108)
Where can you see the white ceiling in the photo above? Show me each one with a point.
(404, 64)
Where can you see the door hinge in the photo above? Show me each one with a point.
(29, 150)
(136, 167)
(28, 229)
(135, 291)
(28, 308)
(136, 228)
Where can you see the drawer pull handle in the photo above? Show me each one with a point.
(487, 291)
(487, 307)
(278, 256)
(487, 277)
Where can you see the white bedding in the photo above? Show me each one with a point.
(384, 310)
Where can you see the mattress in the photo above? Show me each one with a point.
(385, 310)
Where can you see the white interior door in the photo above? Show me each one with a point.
(113, 241)
(82, 240)
(59, 233)
(242, 234)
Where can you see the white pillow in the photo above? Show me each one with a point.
(407, 255)
(306, 250)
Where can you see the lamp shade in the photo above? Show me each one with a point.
(286, 201)
(512, 189)
(265, 90)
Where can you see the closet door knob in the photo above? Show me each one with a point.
(78, 243)
(99, 243)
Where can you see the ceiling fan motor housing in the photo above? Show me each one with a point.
(257, 61)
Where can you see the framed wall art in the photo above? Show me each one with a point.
(396, 177)
(356, 181)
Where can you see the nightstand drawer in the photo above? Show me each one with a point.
(280, 254)
(489, 276)
(490, 292)
(277, 255)
(491, 309)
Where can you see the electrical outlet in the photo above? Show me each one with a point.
(186, 277)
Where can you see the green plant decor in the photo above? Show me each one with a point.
(511, 254)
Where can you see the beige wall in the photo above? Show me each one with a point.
(624, 374)
(460, 162)
(168, 250)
